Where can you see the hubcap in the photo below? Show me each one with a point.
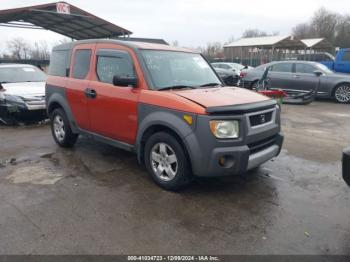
(58, 126)
(164, 161)
(342, 94)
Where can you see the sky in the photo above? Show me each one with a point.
(190, 22)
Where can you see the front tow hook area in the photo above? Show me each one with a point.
(346, 165)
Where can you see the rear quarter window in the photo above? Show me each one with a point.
(346, 56)
(59, 63)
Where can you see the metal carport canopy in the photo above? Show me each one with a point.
(61, 18)
(268, 42)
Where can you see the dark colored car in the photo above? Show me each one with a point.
(165, 104)
(301, 77)
(229, 77)
(346, 165)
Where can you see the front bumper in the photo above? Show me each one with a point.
(346, 165)
(256, 145)
(12, 112)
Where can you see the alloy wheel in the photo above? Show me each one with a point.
(342, 94)
(59, 129)
(164, 162)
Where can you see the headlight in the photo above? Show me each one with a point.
(224, 128)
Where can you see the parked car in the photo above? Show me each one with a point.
(22, 93)
(229, 77)
(301, 77)
(235, 67)
(346, 165)
(340, 63)
(164, 103)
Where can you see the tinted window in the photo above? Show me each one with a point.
(81, 63)
(304, 68)
(346, 56)
(108, 67)
(282, 67)
(59, 63)
(225, 66)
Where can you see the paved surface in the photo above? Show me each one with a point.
(95, 199)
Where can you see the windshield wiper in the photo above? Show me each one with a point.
(176, 87)
(211, 84)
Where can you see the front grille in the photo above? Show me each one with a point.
(262, 144)
(260, 119)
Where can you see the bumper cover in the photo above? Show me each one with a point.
(346, 165)
(240, 158)
(10, 112)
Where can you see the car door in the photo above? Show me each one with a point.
(280, 75)
(78, 83)
(113, 112)
(304, 78)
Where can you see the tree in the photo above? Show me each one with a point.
(326, 24)
(19, 48)
(40, 51)
(212, 50)
(249, 33)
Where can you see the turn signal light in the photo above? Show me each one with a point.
(188, 119)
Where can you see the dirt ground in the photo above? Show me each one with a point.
(95, 199)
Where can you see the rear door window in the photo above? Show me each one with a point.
(304, 68)
(81, 65)
(282, 68)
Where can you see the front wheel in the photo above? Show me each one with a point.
(167, 162)
(61, 130)
(342, 93)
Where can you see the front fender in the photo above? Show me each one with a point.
(151, 116)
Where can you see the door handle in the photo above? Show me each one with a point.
(90, 93)
(296, 76)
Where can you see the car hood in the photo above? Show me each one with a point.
(25, 89)
(223, 96)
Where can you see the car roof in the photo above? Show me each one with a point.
(14, 65)
(131, 44)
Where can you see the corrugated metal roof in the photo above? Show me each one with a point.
(258, 41)
(72, 22)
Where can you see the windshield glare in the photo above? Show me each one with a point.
(169, 68)
(21, 74)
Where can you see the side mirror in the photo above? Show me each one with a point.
(245, 67)
(318, 73)
(124, 81)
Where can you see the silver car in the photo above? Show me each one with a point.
(301, 77)
(22, 93)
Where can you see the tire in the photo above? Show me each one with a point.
(254, 85)
(61, 130)
(164, 153)
(342, 93)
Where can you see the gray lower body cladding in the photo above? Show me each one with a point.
(254, 146)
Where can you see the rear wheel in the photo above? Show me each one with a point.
(342, 93)
(167, 162)
(61, 130)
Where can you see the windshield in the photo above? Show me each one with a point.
(325, 69)
(21, 74)
(175, 69)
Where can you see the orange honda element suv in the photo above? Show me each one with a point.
(164, 103)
